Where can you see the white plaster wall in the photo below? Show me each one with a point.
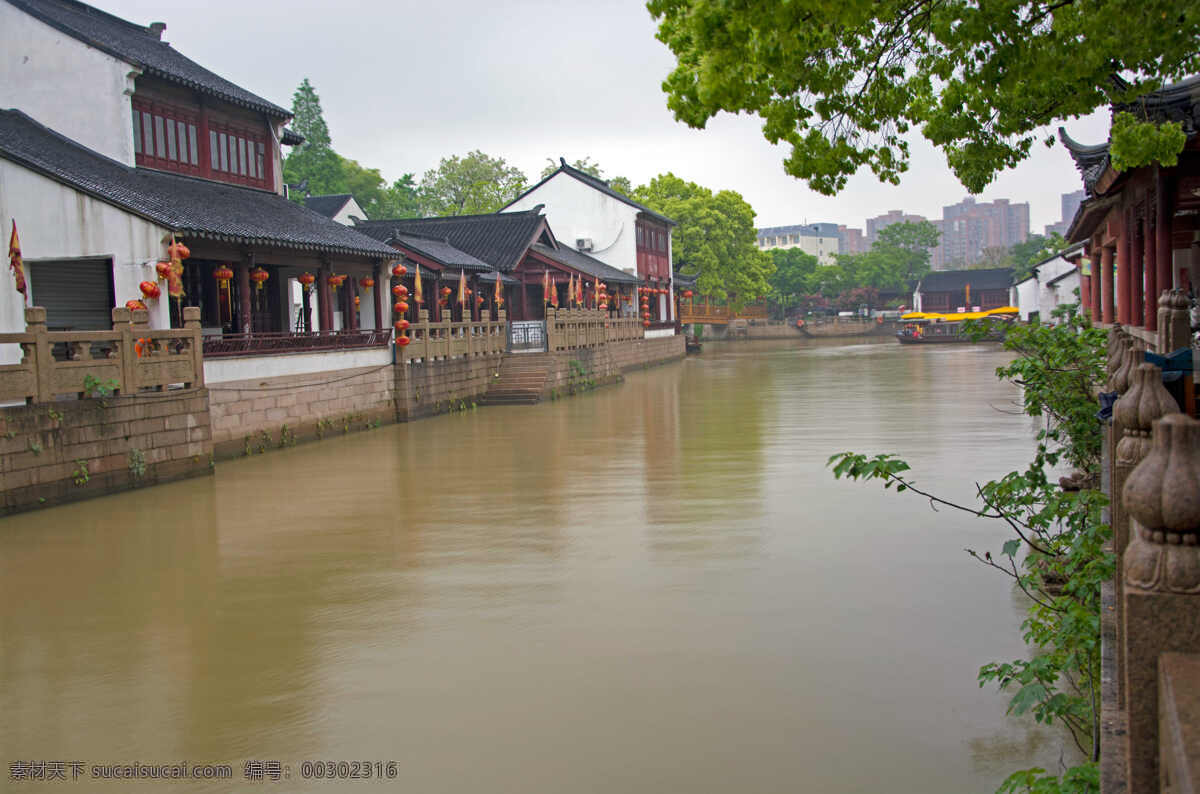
(220, 370)
(58, 222)
(350, 209)
(66, 85)
(575, 210)
(1026, 297)
(1052, 295)
(823, 248)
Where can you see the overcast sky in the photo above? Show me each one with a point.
(404, 84)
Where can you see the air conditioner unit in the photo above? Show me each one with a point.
(584, 243)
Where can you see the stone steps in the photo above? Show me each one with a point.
(522, 380)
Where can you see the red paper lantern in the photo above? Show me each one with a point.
(366, 283)
(401, 307)
(356, 299)
(306, 279)
(150, 289)
(403, 341)
(259, 277)
(645, 315)
(399, 270)
(178, 250)
(336, 281)
(445, 291)
(645, 323)
(163, 269)
(687, 293)
(134, 304)
(400, 290)
(401, 325)
(223, 274)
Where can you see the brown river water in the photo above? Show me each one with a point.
(654, 587)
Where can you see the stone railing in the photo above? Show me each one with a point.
(1150, 737)
(129, 358)
(431, 341)
(570, 329)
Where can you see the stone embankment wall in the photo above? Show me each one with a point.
(51, 453)
(436, 387)
(605, 364)
(256, 414)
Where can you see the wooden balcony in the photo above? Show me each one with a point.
(268, 343)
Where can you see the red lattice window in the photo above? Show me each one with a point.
(166, 138)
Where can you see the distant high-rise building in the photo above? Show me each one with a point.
(969, 227)
(853, 241)
(819, 239)
(1070, 205)
(880, 222)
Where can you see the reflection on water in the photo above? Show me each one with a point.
(654, 587)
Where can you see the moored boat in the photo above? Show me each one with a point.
(929, 328)
(841, 327)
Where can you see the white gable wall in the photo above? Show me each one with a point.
(73, 89)
(58, 222)
(1026, 297)
(575, 210)
(350, 208)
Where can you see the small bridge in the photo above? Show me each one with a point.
(701, 311)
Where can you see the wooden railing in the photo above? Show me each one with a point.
(268, 343)
(569, 329)
(431, 341)
(131, 356)
(700, 311)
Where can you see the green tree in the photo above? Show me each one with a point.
(843, 82)
(1037, 248)
(618, 183)
(313, 163)
(904, 250)
(715, 240)
(470, 185)
(795, 272)
(399, 200)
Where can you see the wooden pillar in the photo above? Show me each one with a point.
(472, 301)
(1106, 285)
(1150, 267)
(243, 278)
(1164, 214)
(1085, 288)
(349, 310)
(524, 298)
(324, 298)
(381, 279)
(1094, 253)
(1124, 272)
(1137, 275)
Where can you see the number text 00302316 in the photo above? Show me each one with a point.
(349, 770)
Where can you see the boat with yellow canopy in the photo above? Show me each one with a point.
(937, 328)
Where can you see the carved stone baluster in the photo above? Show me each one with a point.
(1177, 332)
(1135, 413)
(1161, 567)
(1117, 343)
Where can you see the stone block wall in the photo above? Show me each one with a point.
(61, 451)
(434, 387)
(259, 414)
(606, 363)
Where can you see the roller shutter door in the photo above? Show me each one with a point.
(76, 293)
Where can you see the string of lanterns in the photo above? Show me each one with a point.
(401, 306)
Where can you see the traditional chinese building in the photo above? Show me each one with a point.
(114, 142)
(963, 290)
(594, 219)
(1140, 225)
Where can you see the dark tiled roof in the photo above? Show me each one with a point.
(585, 264)
(956, 280)
(192, 207)
(598, 184)
(1091, 161)
(440, 251)
(685, 280)
(327, 205)
(499, 239)
(141, 47)
(291, 137)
